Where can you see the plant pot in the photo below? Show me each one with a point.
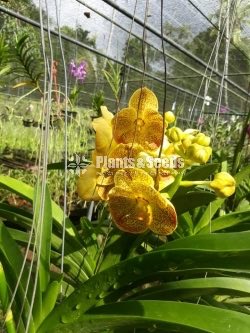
(70, 114)
(27, 123)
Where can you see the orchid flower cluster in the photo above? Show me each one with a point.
(79, 73)
(134, 192)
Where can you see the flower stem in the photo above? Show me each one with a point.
(187, 183)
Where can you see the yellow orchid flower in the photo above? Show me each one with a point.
(223, 184)
(103, 128)
(136, 206)
(141, 122)
(116, 160)
(87, 184)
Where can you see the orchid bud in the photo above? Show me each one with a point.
(187, 141)
(174, 134)
(198, 153)
(169, 117)
(202, 139)
(223, 184)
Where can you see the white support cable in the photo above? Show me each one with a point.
(58, 17)
(83, 2)
(33, 221)
(217, 113)
(45, 145)
(71, 40)
(215, 46)
(172, 43)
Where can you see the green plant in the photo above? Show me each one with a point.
(197, 272)
(113, 76)
(4, 58)
(97, 102)
(92, 277)
(27, 63)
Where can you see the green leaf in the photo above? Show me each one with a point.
(185, 225)
(27, 192)
(243, 184)
(4, 294)
(43, 230)
(50, 298)
(172, 188)
(116, 281)
(6, 70)
(210, 211)
(191, 200)
(74, 241)
(159, 315)
(218, 242)
(15, 215)
(23, 84)
(12, 261)
(116, 249)
(201, 172)
(89, 237)
(226, 221)
(190, 288)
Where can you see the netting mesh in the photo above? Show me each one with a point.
(192, 25)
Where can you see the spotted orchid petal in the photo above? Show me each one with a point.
(136, 206)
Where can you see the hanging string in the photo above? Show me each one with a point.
(165, 78)
(40, 219)
(58, 19)
(215, 46)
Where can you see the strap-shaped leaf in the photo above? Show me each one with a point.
(158, 315)
(226, 221)
(172, 262)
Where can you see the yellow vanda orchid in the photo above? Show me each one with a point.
(118, 158)
(223, 184)
(87, 184)
(103, 129)
(136, 206)
(141, 122)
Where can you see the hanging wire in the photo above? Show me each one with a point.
(171, 42)
(217, 113)
(110, 145)
(218, 28)
(165, 77)
(218, 103)
(170, 56)
(215, 46)
(40, 218)
(35, 206)
(58, 19)
(71, 40)
(143, 49)
(143, 74)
